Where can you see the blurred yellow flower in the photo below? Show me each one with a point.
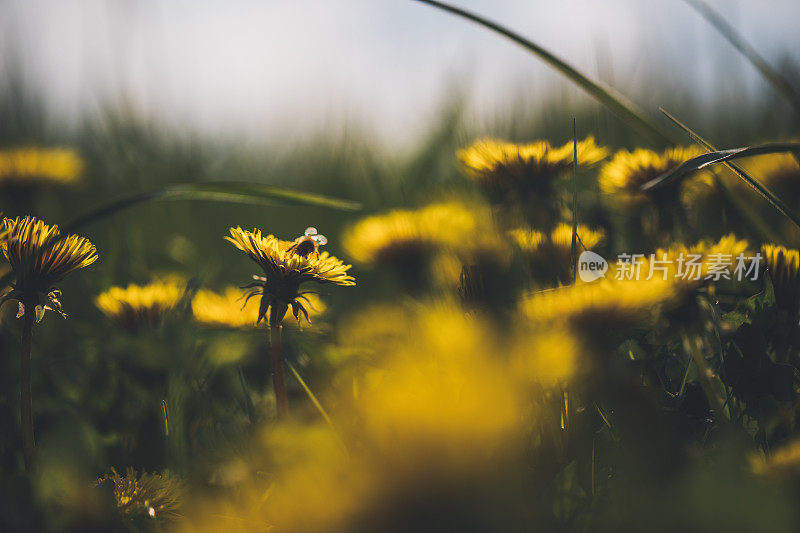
(779, 172)
(551, 255)
(401, 234)
(145, 497)
(783, 265)
(782, 462)
(622, 177)
(140, 305)
(501, 166)
(601, 305)
(547, 356)
(40, 257)
(228, 310)
(24, 166)
(284, 271)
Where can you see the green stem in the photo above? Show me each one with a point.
(25, 396)
(278, 377)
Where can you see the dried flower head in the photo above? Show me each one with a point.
(502, 167)
(29, 166)
(40, 257)
(285, 270)
(146, 497)
(135, 306)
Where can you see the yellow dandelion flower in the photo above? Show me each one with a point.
(708, 256)
(783, 265)
(146, 497)
(779, 172)
(227, 310)
(546, 356)
(27, 166)
(285, 269)
(622, 177)
(40, 257)
(500, 166)
(783, 462)
(398, 235)
(551, 255)
(601, 305)
(140, 305)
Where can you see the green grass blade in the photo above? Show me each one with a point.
(772, 76)
(744, 207)
(311, 395)
(724, 156)
(607, 96)
(219, 191)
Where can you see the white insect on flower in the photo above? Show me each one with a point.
(308, 243)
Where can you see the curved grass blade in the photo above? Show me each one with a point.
(607, 96)
(220, 191)
(772, 76)
(725, 156)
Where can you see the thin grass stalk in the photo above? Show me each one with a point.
(690, 345)
(276, 360)
(773, 200)
(25, 396)
(607, 96)
(574, 252)
(772, 76)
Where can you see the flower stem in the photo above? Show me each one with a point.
(25, 397)
(278, 376)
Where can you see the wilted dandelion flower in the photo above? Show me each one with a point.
(40, 257)
(228, 310)
(30, 166)
(501, 167)
(146, 497)
(140, 305)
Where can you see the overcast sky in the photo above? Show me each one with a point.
(275, 67)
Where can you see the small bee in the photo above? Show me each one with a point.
(308, 243)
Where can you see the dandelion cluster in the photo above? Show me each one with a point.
(33, 165)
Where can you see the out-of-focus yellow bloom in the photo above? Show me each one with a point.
(622, 177)
(552, 255)
(228, 309)
(710, 255)
(782, 462)
(779, 172)
(140, 305)
(145, 497)
(501, 166)
(40, 257)
(397, 235)
(783, 265)
(29, 166)
(602, 305)
(546, 356)
(285, 269)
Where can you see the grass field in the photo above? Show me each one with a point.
(460, 376)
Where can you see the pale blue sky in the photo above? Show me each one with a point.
(277, 68)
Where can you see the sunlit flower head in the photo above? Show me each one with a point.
(398, 235)
(30, 166)
(229, 310)
(140, 305)
(622, 177)
(146, 497)
(40, 257)
(779, 172)
(551, 254)
(783, 462)
(783, 265)
(285, 268)
(708, 254)
(602, 305)
(500, 167)
(547, 356)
